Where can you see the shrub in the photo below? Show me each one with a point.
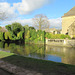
(10, 36)
(20, 35)
(7, 34)
(56, 36)
(1, 44)
(34, 36)
(1, 35)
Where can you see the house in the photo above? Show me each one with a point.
(68, 21)
(53, 30)
(71, 29)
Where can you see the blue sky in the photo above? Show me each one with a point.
(53, 9)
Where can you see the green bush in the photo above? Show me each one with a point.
(34, 36)
(8, 27)
(27, 36)
(15, 28)
(65, 36)
(1, 36)
(20, 35)
(10, 36)
(1, 44)
(7, 34)
(56, 36)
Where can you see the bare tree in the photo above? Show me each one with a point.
(41, 21)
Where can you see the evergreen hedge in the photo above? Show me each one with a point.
(1, 35)
(57, 36)
(34, 36)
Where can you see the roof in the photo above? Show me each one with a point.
(70, 12)
(52, 29)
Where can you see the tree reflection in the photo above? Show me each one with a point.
(41, 51)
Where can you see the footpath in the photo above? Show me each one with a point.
(9, 69)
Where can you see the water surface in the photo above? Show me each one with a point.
(53, 53)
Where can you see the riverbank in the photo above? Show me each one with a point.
(42, 66)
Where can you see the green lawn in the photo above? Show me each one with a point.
(5, 54)
(43, 66)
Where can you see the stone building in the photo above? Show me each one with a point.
(68, 21)
(53, 30)
(71, 30)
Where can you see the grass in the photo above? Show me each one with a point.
(43, 66)
(5, 54)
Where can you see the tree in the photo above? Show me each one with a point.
(41, 21)
(8, 27)
(31, 28)
(15, 28)
(26, 27)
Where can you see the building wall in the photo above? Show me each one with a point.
(72, 30)
(66, 22)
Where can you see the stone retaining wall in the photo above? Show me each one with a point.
(61, 42)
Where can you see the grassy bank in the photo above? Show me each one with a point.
(43, 66)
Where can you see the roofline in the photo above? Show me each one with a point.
(67, 16)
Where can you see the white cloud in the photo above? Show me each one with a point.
(23, 22)
(27, 6)
(24, 7)
(8, 11)
(54, 23)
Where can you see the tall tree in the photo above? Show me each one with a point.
(14, 27)
(41, 21)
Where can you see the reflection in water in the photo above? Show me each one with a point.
(67, 54)
(53, 53)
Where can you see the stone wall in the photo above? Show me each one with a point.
(61, 42)
(71, 30)
(66, 22)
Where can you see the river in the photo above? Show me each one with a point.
(46, 52)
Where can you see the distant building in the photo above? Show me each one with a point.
(50, 30)
(53, 30)
(68, 21)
